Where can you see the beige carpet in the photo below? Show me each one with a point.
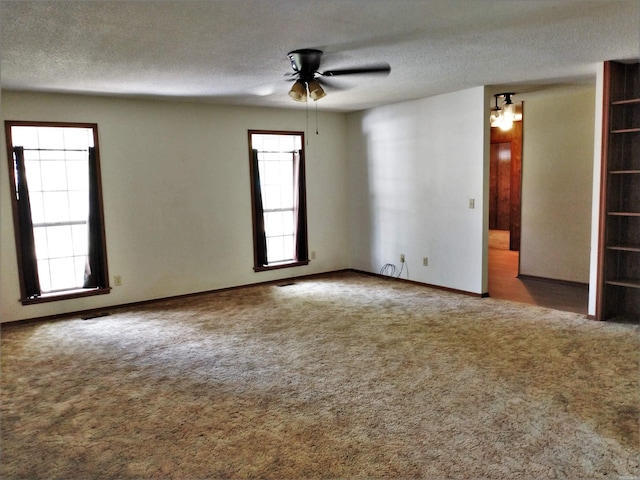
(342, 376)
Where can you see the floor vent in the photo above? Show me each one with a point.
(91, 316)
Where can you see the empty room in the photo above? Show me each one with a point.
(331, 239)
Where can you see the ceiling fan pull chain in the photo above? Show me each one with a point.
(316, 117)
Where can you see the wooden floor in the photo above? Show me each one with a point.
(504, 282)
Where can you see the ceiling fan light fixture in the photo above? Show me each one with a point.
(305, 64)
(315, 90)
(298, 91)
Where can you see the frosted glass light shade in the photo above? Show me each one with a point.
(508, 116)
(315, 90)
(298, 91)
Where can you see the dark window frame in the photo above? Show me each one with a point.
(302, 247)
(22, 256)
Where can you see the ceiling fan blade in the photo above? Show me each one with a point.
(382, 68)
(333, 85)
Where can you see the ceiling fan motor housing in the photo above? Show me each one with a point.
(306, 62)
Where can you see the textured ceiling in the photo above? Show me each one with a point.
(235, 51)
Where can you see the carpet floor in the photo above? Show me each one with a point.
(338, 376)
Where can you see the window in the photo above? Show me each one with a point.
(57, 205)
(278, 199)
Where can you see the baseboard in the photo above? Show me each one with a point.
(553, 280)
(104, 311)
(422, 284)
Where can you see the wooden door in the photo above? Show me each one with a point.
(500, 186)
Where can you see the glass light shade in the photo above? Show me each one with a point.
(315, 90)
(508, 115)
(509, 111)
(298, 91)
(496, 117)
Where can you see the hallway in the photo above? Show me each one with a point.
(505, 284)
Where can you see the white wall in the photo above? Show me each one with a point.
(413, 168)
(557, 179)
(176, 195)
(391, 180)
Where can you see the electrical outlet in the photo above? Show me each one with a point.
(313, 254)
(117, 280)
(402, 258)
(425, 261)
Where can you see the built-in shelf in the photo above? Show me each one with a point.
(625, 282)
(625, 248)
(626, 102)
(624, 214)
(626, 130)
(619, 248)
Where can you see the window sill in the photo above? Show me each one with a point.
(66, 295)
(276, 266)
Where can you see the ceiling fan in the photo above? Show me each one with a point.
(306, 64)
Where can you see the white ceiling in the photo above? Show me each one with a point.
(235, 51)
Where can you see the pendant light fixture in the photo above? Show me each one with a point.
(503, 116)
(496, 112)
(508, 112)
